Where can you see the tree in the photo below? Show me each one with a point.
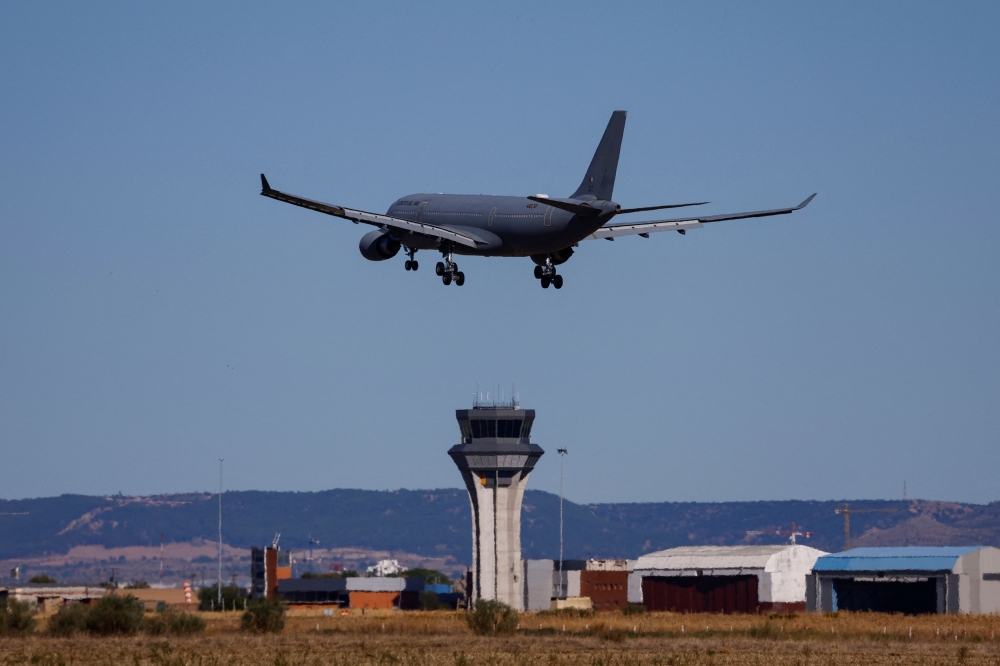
(42, 579)
(430, 576)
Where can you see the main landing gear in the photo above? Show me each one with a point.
(411, 263)
(448, 270)
(547, 275)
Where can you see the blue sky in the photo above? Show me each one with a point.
(156, 314)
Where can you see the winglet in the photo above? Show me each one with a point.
(264, 187)
(799, 207)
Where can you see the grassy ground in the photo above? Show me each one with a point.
(442, 639)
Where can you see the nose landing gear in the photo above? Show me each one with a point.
(411, 263)
(448, 271)
(547, 275)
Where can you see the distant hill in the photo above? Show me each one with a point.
(436, 523)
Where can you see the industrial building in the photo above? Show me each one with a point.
(45, 597)
(268, 565)
(723, 579)
(368, 593)
(496, 457)
(598, 584)
(911, 580)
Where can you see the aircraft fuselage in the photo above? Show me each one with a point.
(509, 226)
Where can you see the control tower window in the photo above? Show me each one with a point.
(489, 428)
(509, 428)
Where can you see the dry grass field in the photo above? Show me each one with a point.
(443, 639)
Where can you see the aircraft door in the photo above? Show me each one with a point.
(492, 213)
(547, 218)
(420, 210)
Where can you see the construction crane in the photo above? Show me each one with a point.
(793, 533)
(847, 511)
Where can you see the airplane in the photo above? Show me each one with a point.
(546, 229)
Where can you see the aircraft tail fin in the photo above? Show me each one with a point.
(599, 181)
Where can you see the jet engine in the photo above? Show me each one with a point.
(378, 246)
(559, 257)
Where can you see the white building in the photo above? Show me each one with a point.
(730, 579)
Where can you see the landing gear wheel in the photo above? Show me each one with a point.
(538, 272)
(545, 281)
(446, 278)
(439, 269)
(557, 281)
(414, 265)
(408, 265)
(459, 279)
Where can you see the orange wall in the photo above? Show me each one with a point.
(374, 600)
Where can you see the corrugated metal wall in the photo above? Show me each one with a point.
(700, 594)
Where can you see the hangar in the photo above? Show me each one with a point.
(911, 580)
(723, 579)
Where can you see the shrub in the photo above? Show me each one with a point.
(491, 617)
(263, 615)
(42, 579)
(634, 609)
(185, 623)
(70, 619)
(171, 622)
(156, 625)
(16, 619)
(137, 585)
(114, 614)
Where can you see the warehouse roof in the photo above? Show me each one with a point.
(908, 558)
(713, 557)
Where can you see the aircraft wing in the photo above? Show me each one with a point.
(612, 231)
(374, 219)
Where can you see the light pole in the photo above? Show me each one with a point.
(562, 459)
(220, 533)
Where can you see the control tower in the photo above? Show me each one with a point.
(495, 458)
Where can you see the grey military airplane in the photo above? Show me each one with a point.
(546, 229)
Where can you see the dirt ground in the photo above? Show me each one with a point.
(543, 639)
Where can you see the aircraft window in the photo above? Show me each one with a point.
(491, 428)
(517, 429)
(475, 429)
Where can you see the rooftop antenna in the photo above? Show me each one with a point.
(904, 489)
